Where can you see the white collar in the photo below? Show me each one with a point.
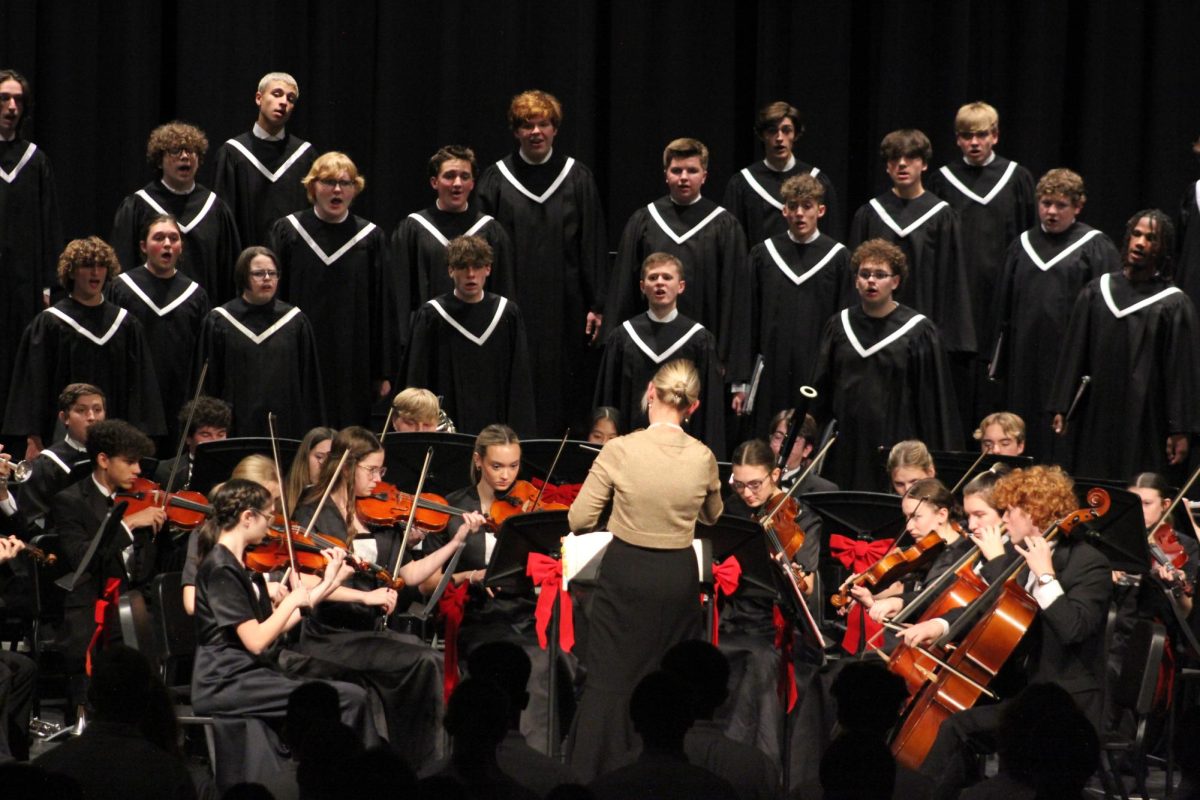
(154, 274)
(104, 492)
(338, 221)
(684, 205)
(670, 317)
(990, 159)
(528, 160)
(791, 162)
(465, 301)
(1048, 233)
(809, 240)
(438, 205)
(261, 133)
(74, 445)
(173, 191)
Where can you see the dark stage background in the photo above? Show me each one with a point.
(1103, 88)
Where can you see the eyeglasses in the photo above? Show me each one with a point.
(264, 274)
(741, 486)
(176, 152)
(877, 274)
(778, 436)
(334, 183)
(375, 472)
(267, 515)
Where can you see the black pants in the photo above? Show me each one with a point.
(18, 677)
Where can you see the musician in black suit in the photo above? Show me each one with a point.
(1070, 581)
(126, 560)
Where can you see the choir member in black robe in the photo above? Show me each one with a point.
(1044, 271)
(204, 419)
(551, 207)
(881, 372)
(211, 241)
(262, 354)
(927, 229)
(171, 307)
(259, 171)
(420, 241)
(1136, 334)
(798, 279)
(83, 338)
(469, 347)
(705, 237)
(635, 350)
(30, 229)
(80, 405)
(753, 195)
(337, 267)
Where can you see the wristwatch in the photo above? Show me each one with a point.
(1046, 578)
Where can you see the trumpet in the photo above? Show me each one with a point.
(21, 471)
(444, 423)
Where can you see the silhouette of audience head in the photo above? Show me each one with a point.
(1046, 742)
(313, 704)
(324, 745)
(507, 666)
(121, 688)
(869, 698)
(661, 712)
(704, 670)
(858, 766)
(476, 719)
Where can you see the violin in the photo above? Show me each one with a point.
(387, 505)
(1167, 550)
(521, 498)
(892, 567)
(272, 554)
(185, 510)
(791, 536)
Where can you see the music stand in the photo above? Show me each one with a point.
(953, 464)
(744, 539)
(103, 536)
(573, 466)
(520, 535)
(1121, 533)
(449, 469)
(215, 460)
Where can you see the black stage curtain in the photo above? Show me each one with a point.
(1105, 88)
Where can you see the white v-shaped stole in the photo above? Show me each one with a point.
(895, 226)
(82, 331)
(268, 174)
(520, 187)
(435, 233)
(799, 279)
(882, 343)
(763, 193)
(184, 227)
(487, 334)
(161, 311)
(990, 196)
(659, 358)
(716, 212)
(1110, 301)
(316, 248)
(1027, 246)
(9, 177)
(259, 338)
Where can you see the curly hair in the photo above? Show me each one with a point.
(1044, 493)
(880, 251)
(85, 253)
(175, 136)
(210, 412)
(468, 251)
(533, 104)
(117, 438)
(802, 187)
(1163, 230)
(1064, 182)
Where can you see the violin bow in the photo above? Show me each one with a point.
(183, 436)
(799, 480)
(412, 516)
(387, 422)
(287, 524)
(987, 451)
(312, 523)
(553, 464)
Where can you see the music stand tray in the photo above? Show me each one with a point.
(215, 460)
(953, 464)
(449, 469)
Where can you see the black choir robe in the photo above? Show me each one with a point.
(752, 196)
(710, 243)
(211, 243)
(260, 181)
(636, 349)
(1140, 343)
(171, 311)
(53, 470)
(995, 203)
(260, 359)
(1043, 274)
(419, 244)
(927, 229)
(30, 240)
(341, 275)
(1187, 266)
(553, 214)
(795, 288)
(884, 380)
(475, 356)
(69, 342)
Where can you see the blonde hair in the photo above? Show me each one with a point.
(1010, 423)
(909, 453)
(494, 434)
(677, 383)
(329, 165)
(532, 104)
(977, 116)
(257, 468)
(416, 405)
(281, 77)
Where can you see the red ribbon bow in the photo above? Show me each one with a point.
(452, 605)
(726, 577)
(110, 596)
(547, 573)
(858, 555)
(564, 493)
(785, 637)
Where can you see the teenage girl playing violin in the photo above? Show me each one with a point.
(1155, 495)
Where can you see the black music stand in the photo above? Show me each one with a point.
(953, 464)
(449, 469)
(744, 539)
(1121, 533)
(520, 535)
(538, 454)
(215, 460)
(100, 541)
